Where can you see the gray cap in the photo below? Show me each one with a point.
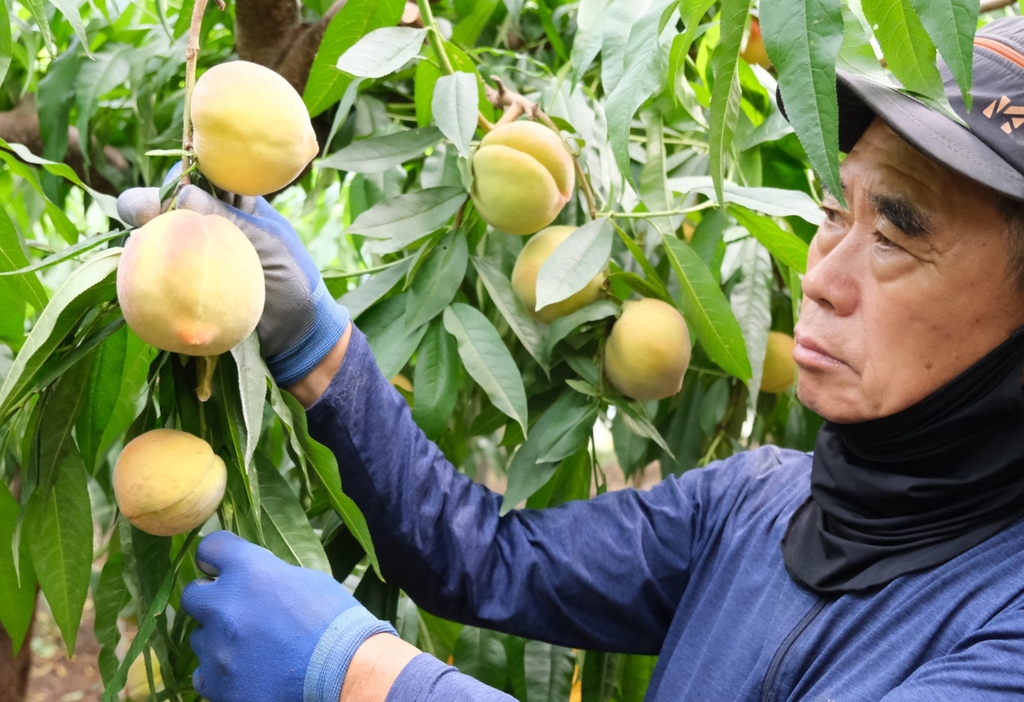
(990, 150)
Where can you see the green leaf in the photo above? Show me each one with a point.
(437, 282)
(428, 72)
(641, 75)
(137, 357)
(110, 596)
(381, 153)
(706, 309)
(392, 343)
(857, 52)
(147, 623)
(549, 670)
(562, 430)
(634, 416)
(951, 25)
(286, 528)
(5, 41)
(65, 254)
(631, 448)
(454, 108)
(487, 360)
(560, 328)
(107, 203)
(381, 52)
(908, 51)
(691, 13)
(617, 22)
(325, 464)
(654, 192)
(600, 674)
(17, 594)
(109, 69)
(783, 245)
(13, 257)
(377, 286)
(504, 298)
(59, 526)
(587, 42)
(58, 451)
(69, 9)
(468, 29)
(575, 262)
(435, 382)
(776, 202)
(570, 482)
(326, 83)
(39, 14)
(67, 230)
(635, 677)
(92, 284)
(803, 38)
(252, 387)
(751, 301)
(725, 96)
(652, 279)
(480, 653)
(401, 220)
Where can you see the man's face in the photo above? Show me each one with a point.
(906, 290)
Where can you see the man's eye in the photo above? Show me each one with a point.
(886, 243)
(831, 214)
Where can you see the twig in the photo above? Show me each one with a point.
(191, 55)
(988, 5)
(434, 35)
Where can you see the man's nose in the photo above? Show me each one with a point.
(832, 281)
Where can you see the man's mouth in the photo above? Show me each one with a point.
(810, 355)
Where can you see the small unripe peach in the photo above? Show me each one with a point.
(779, 367)
(250, 129)
(648, 350)
(753, 49)
(168, 482)
(190, 283)
(522, 176)
(136, 687)
(528, 264)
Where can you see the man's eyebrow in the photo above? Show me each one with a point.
(903, 214)
(826, 191)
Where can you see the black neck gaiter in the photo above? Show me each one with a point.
(913, 490)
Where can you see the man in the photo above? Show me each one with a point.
(888, 566)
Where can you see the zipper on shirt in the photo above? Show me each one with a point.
(768, 691)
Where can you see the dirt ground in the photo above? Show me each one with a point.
(56, 678)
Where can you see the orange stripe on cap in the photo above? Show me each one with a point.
(1001, 49)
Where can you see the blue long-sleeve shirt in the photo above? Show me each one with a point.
(691, 570)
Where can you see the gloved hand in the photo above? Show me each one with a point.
(270, 631)
(301, 323)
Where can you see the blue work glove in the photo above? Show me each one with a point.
(270, 631)
(301, 323)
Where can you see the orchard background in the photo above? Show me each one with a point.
(691, 188)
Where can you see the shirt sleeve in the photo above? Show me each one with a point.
(426, 679)
(603, 574)
(984, 667)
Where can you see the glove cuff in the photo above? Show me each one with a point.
(329, 323)
(333, 653)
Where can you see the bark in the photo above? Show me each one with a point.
(21, 126)
(14, 670)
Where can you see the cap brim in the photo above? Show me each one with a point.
(930, 132)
